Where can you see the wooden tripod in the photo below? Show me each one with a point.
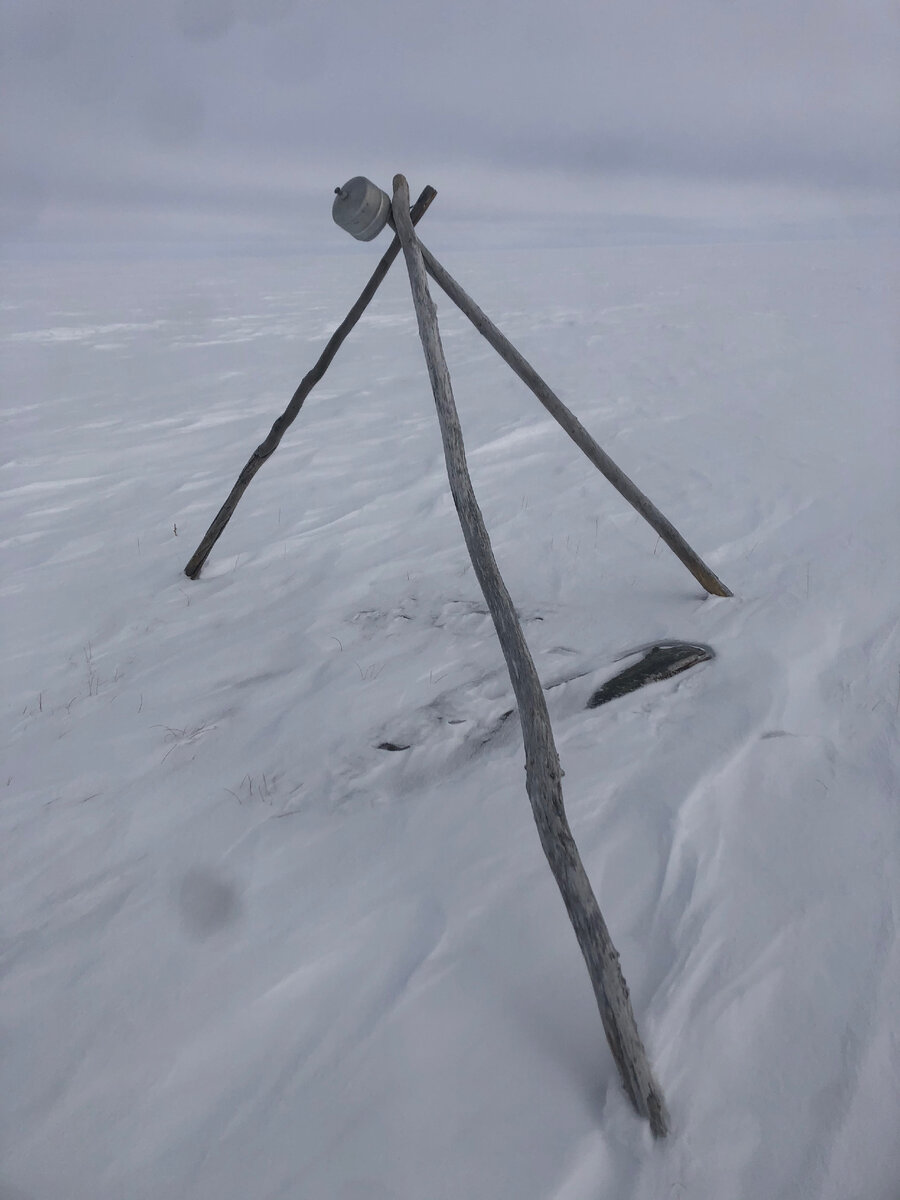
(542, 766)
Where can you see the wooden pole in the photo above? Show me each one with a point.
(573, 427)
(268, 447)
(543, 773)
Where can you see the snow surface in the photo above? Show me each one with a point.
(248, 954)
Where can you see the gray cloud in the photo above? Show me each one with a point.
(243, 109)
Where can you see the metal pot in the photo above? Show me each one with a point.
(361, 208)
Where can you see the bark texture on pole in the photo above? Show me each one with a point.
(268, 447)
(542, 769)
(573, 427)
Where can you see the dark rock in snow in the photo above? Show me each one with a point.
(660, 661)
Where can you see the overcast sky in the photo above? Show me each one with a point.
(176, 117)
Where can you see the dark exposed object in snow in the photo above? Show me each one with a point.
(662, 660)
(391, 746)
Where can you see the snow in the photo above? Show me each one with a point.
(246, 953)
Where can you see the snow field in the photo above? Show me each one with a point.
(246, 952)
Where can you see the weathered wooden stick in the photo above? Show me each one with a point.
(266, 448)
(542, 768)
(574, 428)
